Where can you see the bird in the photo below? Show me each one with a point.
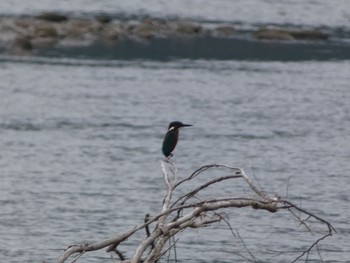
(171, 137)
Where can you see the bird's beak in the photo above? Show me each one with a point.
(186, 125)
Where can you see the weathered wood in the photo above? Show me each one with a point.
(184, 214)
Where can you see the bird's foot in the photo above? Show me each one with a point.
(167, 159)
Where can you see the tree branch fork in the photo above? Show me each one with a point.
(188, 212)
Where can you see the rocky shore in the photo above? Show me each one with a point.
(24, 35)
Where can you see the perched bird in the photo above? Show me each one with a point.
(171, 137)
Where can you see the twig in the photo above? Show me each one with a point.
(287, 187)
(78, 256)
(181, 214)
(120, 254)
(148, 233)
(310, 247)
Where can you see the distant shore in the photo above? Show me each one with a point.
(25, 36)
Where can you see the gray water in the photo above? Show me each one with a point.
(80, 149)
(80, 138)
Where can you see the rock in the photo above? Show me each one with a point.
(44, 35)
(45, 31)
(103, 19)
(310, 35)
(20, 46)
(156, 23)
(80, 28)
(280, 34)
(188, 28)
(113, 32)
(149, 28)
(225, 30)
(24, 23)
(8, 31)
(52, 17)
(273, 34)
(144, 30)
(112, 35)
(44, 42)
(23, 43)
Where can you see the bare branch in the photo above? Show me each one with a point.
(188, 212)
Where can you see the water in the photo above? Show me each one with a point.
(81, 131)
(81, 142)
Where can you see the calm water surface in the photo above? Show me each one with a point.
(80, 149)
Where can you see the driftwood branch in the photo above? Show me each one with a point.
(188, 211)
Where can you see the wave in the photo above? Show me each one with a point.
(32, 125)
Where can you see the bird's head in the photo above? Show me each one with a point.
(177, 124)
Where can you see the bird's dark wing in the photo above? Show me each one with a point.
(169, 142)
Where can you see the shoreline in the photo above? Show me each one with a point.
(47, 33)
